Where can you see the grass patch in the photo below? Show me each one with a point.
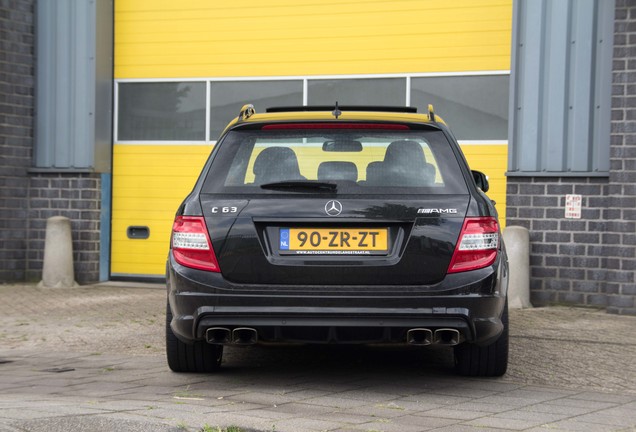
(208, 428)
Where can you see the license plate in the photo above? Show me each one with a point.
(334, 241)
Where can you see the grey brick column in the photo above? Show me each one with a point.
(28, 198)
(16, 133)
(621, 282)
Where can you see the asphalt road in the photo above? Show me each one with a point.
(91, 358)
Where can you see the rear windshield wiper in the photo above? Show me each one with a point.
(301, 184)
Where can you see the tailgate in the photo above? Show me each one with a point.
(371, 241)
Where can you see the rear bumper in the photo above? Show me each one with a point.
(471, 303)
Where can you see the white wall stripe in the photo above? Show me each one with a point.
(303, 77)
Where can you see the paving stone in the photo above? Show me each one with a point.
(439, 399)
(615, 417)
(83, 423)
(301, 425)
(467, 428)
(550, 408)
(604, 397)
(416, 405)
(335, 402)
(454, 413)
(503, 423)
(531, 417)
(304, 409)
(582, 403)
(425, 422)
(389, 426)
(535, 396)
(576, 426)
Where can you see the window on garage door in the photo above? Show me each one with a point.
(166, 111)
(357, 91)
(475, 107)
(227, 98)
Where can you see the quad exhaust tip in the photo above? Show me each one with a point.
(419, 336)
(225, 336)
(446, 336)
(218, 335)
(424, 336)
(244, 336)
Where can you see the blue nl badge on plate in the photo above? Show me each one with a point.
(284, 239)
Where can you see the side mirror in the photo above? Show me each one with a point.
(481, 180)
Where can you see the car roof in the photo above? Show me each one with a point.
(403, 115)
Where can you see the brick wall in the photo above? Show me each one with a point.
(622, 187)
(16, 132)
(568, 257)
(592, 260)
(77, 197)
(27, 199)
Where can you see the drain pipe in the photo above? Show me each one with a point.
(58, 271)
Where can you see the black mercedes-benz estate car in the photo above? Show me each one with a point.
(345, 225)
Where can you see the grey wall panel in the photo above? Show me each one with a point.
(67, 82)
(603, 89)
(560, 87)
(581, 86)
(527, 114)
(553, 159)
(104, 85)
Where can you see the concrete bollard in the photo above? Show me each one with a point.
(58, 269)
(517, 240)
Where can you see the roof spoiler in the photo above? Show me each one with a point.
(374, 108)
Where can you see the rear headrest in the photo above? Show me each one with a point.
(276, 164)
(406, 153)
(338, 171)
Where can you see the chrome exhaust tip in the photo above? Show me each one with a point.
(244, 336)
(218, 335)
(446, 336)
(419, 336)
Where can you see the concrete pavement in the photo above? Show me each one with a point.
(91, 358)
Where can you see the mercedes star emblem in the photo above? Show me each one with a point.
(333, 208)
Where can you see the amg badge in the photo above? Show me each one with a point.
(437, 211)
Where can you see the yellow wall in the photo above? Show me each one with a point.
(157, 39)
(214, 38)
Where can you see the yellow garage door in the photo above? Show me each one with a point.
(182, 69)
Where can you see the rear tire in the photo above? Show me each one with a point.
(197, 357)
(490, 360)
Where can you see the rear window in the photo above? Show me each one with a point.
(356, 161)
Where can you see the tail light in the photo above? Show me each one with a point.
(191, 246)
(477, 245)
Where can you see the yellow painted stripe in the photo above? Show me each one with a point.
(162, 39)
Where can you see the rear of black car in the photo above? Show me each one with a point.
(337, 231)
